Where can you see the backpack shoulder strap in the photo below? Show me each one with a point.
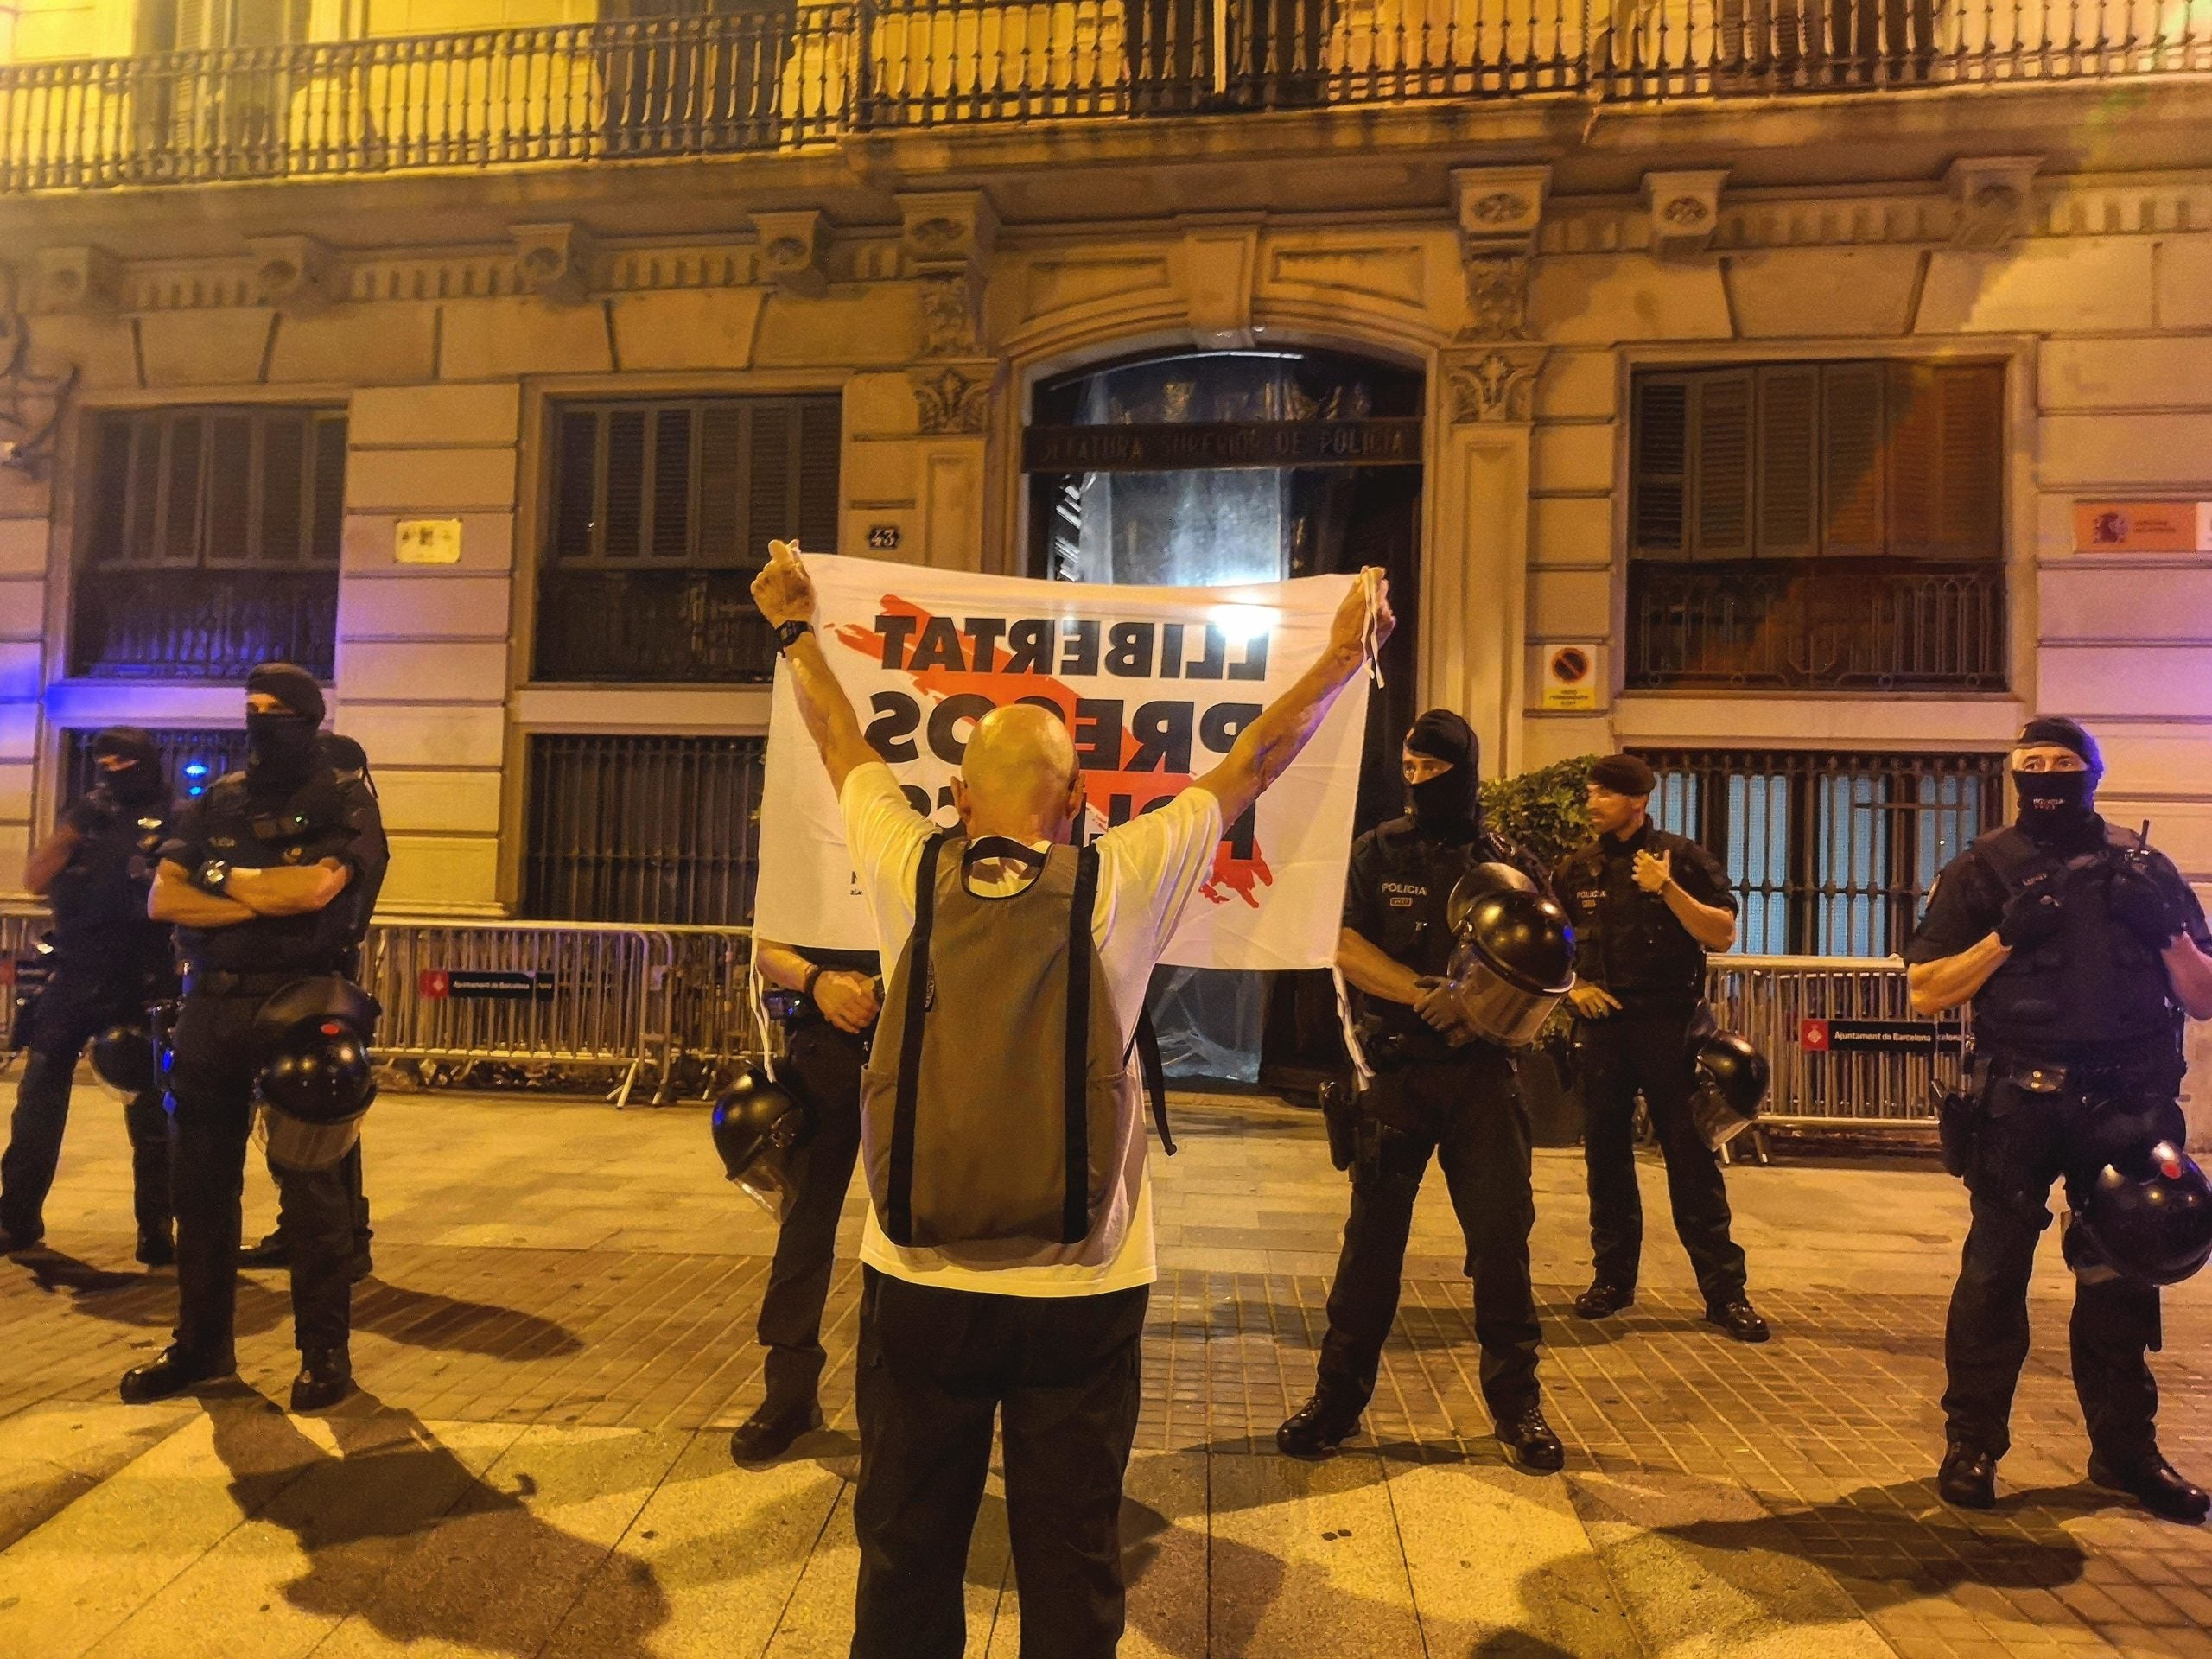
(1075, 1216)
(899, 1222)
(1155, 1072)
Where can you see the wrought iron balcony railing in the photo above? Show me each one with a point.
(1815, 625)
(195, 623)
(801, 72)
(651, 626)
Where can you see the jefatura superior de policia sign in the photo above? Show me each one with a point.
(1154, 683)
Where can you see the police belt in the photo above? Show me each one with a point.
(216, 982)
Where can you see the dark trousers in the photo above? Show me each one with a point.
(825, 1066)
(73, 1010)
(1061, 1375)
(2023, 1142)
(1467, 1111)
(211, 1084)
(349, 1170)
(1625, 1054)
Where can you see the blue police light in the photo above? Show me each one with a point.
(197, 772)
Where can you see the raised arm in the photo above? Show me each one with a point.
(1264, 750)
(784, 593)
(49, 858)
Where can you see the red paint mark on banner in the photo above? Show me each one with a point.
(1243, 876)
(1813, 1035)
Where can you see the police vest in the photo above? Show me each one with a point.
(100, 898)
(1413, 877)
(261, 832)
(1626, 939)
(2093, 984)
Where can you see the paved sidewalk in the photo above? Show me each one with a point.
(558, 1339)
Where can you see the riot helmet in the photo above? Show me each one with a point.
(1514, 961)
(757, 1124)
(316, 1074)
(1485, 878)
(2151, 1220)
(1730, 1085)
(122, 1058)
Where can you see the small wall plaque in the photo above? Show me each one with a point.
(883, 538)
(427, 541)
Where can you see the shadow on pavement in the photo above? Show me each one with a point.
(416, 1319)
(496, 1578)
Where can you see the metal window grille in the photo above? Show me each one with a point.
(648, 830)
(190, 760)
(1829, 854)
(1818, 526)
(659, 513)
(211, 543)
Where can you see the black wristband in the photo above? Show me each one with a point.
(806, 985)
(790, 633)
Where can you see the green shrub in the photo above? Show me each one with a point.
(1544, 809)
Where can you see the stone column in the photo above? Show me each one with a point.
(946, 245)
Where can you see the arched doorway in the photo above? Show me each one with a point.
(1228, 467)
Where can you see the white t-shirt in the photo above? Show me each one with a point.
(1148, 870)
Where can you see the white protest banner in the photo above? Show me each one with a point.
(1155, 684)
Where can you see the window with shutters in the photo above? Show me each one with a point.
(653, 829)
(658, 514)
(1828, 854)
(1820, 526)
(211, 542)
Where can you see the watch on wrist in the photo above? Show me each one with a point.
(789, 634)
(214, 876)
(806, 985)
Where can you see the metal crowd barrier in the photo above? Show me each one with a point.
(1840, 1036)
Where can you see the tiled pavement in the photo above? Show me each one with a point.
(557, 1338)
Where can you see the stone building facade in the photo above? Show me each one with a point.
(1541, 256)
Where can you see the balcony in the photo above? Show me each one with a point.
(1825, 625)
(652, 627)
(781, 79)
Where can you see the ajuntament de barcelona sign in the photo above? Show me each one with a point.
(1388, 441)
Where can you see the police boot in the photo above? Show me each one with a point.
(1317, 1428)
(774, 1424)
(1530, 1440)
(1967, 1479)
(177, 1371)
(325, 1378)
(272, 1252)
(2153, 1482)
(1602, 1300)
(156, 1246)
(1739, 1319)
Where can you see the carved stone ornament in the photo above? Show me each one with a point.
(293, 273)
(1499, 207)
(554, 260)
(1497, 385)
(1685, 208)
(31, 405)
(792, 248)
(1497, 296)
(947, 232)
(79, 279)
(954, 399)
(949, 316)
(1995, 196)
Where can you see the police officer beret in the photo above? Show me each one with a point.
(1624, 774)
(2067, 735)
(291, 685)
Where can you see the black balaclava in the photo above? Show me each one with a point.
(141, 783)
(281, 746)
(1448, 807)
(2059, 808)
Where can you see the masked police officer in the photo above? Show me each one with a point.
(261, 876)
(826, 1035)
(1434, 1091)
(351, 762)
(111, 960)
(2081, 951)
(1647, 904)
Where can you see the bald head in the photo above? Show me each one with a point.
(1019, 776)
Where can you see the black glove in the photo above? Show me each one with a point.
(2033, 915)
(2138, 901)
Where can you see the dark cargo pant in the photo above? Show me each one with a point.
(825, 1066)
